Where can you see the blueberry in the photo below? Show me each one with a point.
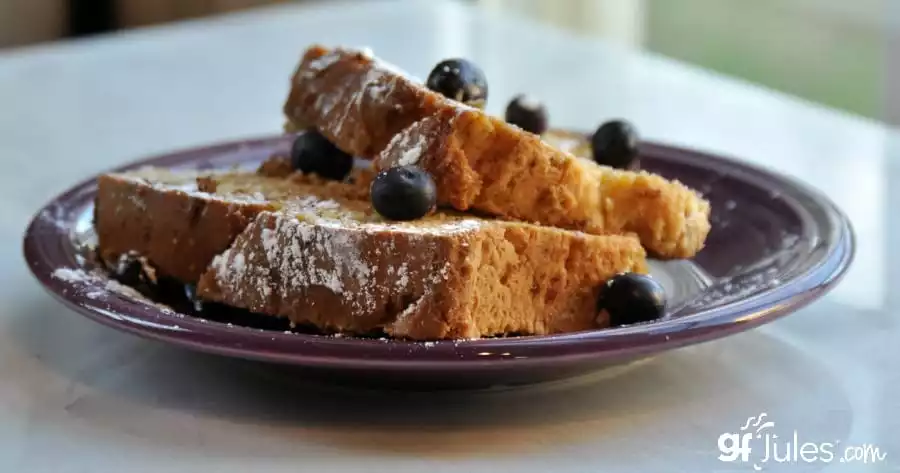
(313, 153)
(528, 114)
(630, 298)
(615, 144)
(403, 193)
(460, 80)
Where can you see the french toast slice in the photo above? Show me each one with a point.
(444, 278)
(481, 163)
(317, 253)
(180, 220)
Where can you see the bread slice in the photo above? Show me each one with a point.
(480, 162)
(444, 277)
(315, 252)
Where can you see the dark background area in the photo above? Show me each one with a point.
(86, 17)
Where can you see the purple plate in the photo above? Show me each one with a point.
(775, 246)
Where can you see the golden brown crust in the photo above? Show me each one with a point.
(480, 162)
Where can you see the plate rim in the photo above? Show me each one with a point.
(329, 351)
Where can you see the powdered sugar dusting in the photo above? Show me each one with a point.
(403, 273)
(119, 288)
(445, 227)
(98, 286)
(319, 64)
(413, 153)
(354, 105)
(401, 322)
(220, 262)
(254, 198)
(407, 146)
(379, 90)
(137, 201)
(184, 182)
(71, 275)
(335, 215)
(305, 255)
(375, 86)
(237, 264)
(314, 208)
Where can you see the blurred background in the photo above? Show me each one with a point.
(833, 52)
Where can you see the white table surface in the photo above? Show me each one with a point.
(77, 397)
